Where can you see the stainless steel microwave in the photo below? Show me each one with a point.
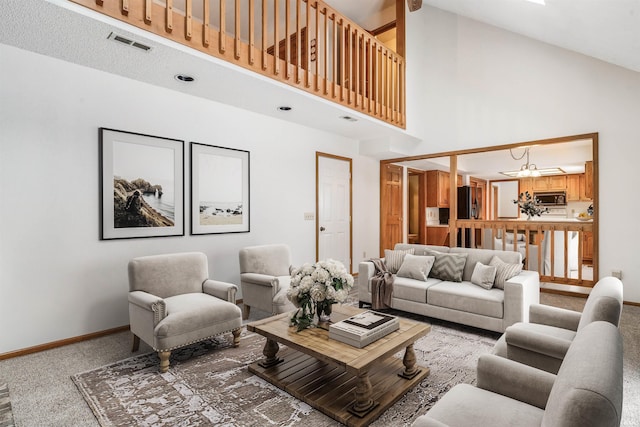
(551, 198)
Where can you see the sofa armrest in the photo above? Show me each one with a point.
(258, 279)
(554, 316)
(514, 380)
(519, 293)
(223, 290)
(539, 343)
(149, 302)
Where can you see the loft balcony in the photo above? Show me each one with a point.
(303, 43)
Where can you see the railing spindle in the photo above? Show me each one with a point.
(334, 55)
(276, 39)
(223, 30)
(169, 16)
(237, 41)
(308, 46)
(206, 23)
(349, 53)
(325, 64)
(264, 34)
(298, 40)
(252, 31)
(188, 20)
(287, 40)
(124, 7)
(147, 11)
(317, 67)
(343, 57)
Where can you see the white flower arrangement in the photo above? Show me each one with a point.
(315, 287)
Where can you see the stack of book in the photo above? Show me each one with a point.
(364, 328)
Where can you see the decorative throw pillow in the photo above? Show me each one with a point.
(393, 259)
(504, 271)
(416, 267)
(483, 275)
(448, 267)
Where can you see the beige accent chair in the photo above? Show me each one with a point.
(587, 392)
(265, 278)
(544, 341)
(173, 303)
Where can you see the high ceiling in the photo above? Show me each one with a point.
(605, 29)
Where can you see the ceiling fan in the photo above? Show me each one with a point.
(414, 5)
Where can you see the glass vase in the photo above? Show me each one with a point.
(323, 311)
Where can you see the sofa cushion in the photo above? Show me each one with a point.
(416, 267)
(393, 259)
(448, 266)
(411, 289)
(505, 271)
(465, 296)
(483, 275)
(466, 405)
(484, 256)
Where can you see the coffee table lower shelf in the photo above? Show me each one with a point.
(331, 390)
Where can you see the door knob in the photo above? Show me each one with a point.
(322, 228)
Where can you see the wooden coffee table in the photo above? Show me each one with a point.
(349, 384)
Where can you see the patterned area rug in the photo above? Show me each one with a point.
(6, 415)
(209, 384)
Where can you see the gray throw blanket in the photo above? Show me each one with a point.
(381, 285)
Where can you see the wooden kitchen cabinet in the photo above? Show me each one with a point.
(587, 247)
(524, 185)
(573, 188)
(438, 188)
(549, 183)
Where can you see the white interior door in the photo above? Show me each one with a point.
(334, 209)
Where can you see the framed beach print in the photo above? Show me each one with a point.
(219, 190)
(141, 185)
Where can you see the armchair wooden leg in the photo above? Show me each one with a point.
(136, 343)
(245, 311)
(236, 337)
(164, 360)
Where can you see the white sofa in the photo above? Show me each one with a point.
(461, 302)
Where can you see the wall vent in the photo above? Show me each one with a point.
(124, 40)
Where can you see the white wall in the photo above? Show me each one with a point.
(473, 85)
(507, 193)
(57, 279)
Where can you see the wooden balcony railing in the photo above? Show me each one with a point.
(304, 43)
(554, 249)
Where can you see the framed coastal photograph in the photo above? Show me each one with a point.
(219, 189)
(141, 185)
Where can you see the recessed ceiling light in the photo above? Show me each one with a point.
(285, 108)
(540, 2)
(349, 118)
(184, 78)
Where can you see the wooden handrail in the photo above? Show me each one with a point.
(356, 71)
(533, 232)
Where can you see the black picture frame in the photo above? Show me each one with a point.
(141, 185)
(220, 190)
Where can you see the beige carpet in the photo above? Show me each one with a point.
(209, 384)
(6, 415)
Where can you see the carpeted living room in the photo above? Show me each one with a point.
(140, 129)
(100, 382)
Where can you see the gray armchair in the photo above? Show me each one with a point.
(264, 278)
(587, 392)
(173, 303)
(544, 341)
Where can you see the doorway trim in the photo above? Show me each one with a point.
(320, 154)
